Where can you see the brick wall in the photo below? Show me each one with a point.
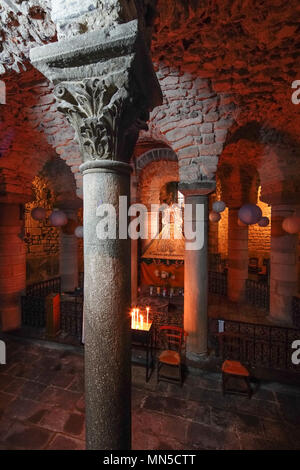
(41, 239)
(223, 234)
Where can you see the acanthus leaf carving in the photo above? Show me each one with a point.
(94, 108)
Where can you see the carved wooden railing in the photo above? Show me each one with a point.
(33, 311)
(217, 283)
(43, 288)
(264, 346)
(33, 303)
(258, 294)
(71, 316)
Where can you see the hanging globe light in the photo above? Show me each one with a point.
(291, 224)
(38, 213)
(264, 222)
(58, 218)
(250, 214)
(219, 206)
(214, 216)
(241, 224)
(79, 231)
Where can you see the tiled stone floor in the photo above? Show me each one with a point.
(42, 407)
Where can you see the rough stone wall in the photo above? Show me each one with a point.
(219, 69)
(42, 240)
(23, 25)
(153, 178)
(74, 17)
(23, 148)
(154, 155)
(183, 121)
(193, 121)
(248, 49)
(31, 129)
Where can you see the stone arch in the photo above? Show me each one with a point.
(157, 154)
(193, 120)
(62, 181)
(274, 155)
(154, 168)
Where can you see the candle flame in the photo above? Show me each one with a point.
(138, 321)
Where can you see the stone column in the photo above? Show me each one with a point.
(134, 247)
(237, 257)
(283, 268)
(12, 266)
(106, 309)
(196, 275)
(68, 256)
(106, 86)
(213, 229)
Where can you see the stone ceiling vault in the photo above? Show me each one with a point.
(220, 67)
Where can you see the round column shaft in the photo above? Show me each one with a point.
(12, 266)
(237, 257)
(196, 284)
(107, 312)
(283, 269)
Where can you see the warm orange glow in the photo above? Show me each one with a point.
(137, 320)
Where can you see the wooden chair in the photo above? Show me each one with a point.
(232, 350)
(172, 341)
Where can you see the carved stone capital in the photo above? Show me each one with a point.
(197, 189)
(105, 85)
(104, 113)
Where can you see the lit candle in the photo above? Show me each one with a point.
(134, 318)
(147, 309)
(142, 321)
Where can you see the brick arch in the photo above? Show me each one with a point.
(193, 120)
(274, 155)
(31, 134)
(61, 180)
(155, 155)
(155, 168)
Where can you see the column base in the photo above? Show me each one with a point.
(10, 319)
(197, 357)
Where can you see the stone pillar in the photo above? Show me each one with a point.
(283, 268)
(106, 310)
(106, 86)
(213, 237)
(134, 247)
(196, 274)
(68, 256)
(12, 266)
(237, 257)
